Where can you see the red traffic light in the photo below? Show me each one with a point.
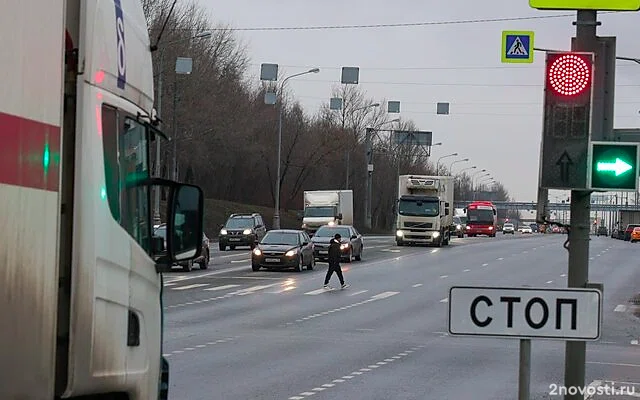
(569, 74)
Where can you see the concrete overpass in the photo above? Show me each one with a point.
(523, 206)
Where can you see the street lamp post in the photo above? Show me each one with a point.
(276, 213)
(156, 200)
(438, 161)
(455, 162)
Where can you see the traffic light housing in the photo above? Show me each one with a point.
(568, 98)
(613, 166)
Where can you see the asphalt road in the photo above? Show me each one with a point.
(231, 333)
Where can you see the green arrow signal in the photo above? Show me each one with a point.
(619, 167)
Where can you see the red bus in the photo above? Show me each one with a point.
(482, 219)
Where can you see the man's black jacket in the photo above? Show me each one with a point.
(334, 251)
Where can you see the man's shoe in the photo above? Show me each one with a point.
(345, 285)
(327, 287)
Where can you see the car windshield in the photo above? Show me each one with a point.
(327, 231)
(288, 238)
(419, 208)
(481, 216)
(508, 225)
(239, 223)
(325, 211)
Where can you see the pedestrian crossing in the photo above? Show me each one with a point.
(246, 289)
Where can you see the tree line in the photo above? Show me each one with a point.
(227, 137)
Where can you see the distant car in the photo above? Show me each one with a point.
(508, 227)
(602, 231)
(351, 247)
(203, 259)
(526, 229)
(458, 227)
(241, 230)
(283, 248)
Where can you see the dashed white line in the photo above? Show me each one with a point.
(548, 282)
(361, 371)
(445, 300)
(444, 276)
(240, 261)
(620, 308)
(417, 285)
(200, 346)
(485, 264)
(467, 270)
(221, 287)
(500, 259)
(195, 285)
(378, 296)
(358, 292)
(563, 275)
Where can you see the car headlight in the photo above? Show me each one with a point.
(436, 235)
(344, 246)
(304, 226)
(247, 232)
(458, 227)
(399, 234)
(257, 252)
(223, 231)
(291, 253)
(332, 223)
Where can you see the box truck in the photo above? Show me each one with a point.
(424, 210)
(81, 273)
(327, 207)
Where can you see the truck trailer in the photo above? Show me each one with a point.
(81, 274)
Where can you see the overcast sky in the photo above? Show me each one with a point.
(496, 109)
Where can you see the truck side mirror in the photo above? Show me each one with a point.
(184, 227)
(446, 204)
(446, 211)
(339, 216)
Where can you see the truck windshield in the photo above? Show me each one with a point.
(326, 211)
(480, 216)
(419, 208)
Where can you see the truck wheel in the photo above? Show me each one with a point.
(399, 243)
(445, 240)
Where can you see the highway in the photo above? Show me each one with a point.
(231, 333)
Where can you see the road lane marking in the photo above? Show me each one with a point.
(563, 275)
(620, 308)
(445, 300)
(485, 264)
(376, 297)
(614, 364)
(244, 292)
(240, 261)
(358, 292)
(361, 371)
(417, 285)
(223, 287)
(548, 282)
(170, 284)
(316, 292)
(444, 276)
(384, 295)
(501, 258)
(467, 270)
(195, 285)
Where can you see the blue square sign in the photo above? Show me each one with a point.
(517, 47)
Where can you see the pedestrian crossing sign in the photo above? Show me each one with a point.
(517, 46)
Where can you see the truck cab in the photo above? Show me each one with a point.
(424, 212)
(327, 207)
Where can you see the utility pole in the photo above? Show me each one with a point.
(369, 170)
(578, 274)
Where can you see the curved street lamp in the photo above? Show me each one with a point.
(455, 162)
(276, 213)
(438, 162)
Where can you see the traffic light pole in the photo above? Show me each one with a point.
(578, 274)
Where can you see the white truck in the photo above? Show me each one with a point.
(424, 210)
(327, 207)
(81, 274)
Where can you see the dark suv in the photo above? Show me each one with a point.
(241, 230)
